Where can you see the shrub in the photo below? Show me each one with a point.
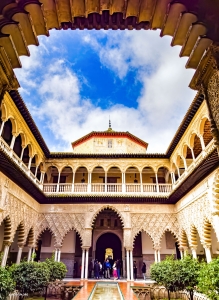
(31, 277)
(209, 279)
(57, 269)
(7, 284)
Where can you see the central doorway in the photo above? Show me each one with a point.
(105, 241)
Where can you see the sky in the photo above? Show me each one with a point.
(75, 80)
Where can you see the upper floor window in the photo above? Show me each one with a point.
(110, 143)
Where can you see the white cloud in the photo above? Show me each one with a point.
(162, 101)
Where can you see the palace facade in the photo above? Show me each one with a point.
(109, 195)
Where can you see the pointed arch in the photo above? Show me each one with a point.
(21, 234)
(30, 237)
(207, 232)
(7, 229)
(183, 239)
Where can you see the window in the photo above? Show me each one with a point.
(108, 222)
(101, 222)
(110, 143)
(115, 223)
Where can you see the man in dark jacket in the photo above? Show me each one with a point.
(143, 270)
(96, 269)
(118, 268)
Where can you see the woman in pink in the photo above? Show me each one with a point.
(115, 271)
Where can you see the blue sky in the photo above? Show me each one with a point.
(74, 80)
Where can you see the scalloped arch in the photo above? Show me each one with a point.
(107, 207)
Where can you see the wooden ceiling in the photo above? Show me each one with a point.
(194, 25)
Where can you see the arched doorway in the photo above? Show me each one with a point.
(108, 240)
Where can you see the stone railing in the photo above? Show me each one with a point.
(6, 149)
(145, 188)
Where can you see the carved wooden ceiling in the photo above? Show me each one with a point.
(194, 25)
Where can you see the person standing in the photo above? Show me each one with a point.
(143, 270)
(135, 270)
(90, 269)
(115, 271)
(96, 270)
(107, 267)
(101, 270)
(118, 268)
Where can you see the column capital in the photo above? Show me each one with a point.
(207, 246)
(129, 249)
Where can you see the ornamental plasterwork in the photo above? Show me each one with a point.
(154, 225)
(213, 96)
(195, 214)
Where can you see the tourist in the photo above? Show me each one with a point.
(96, 270)
(90, 269)
(107, 267)
(143, 270)
(118, 268)
(135, 270)
(101, 270)
(115, 276)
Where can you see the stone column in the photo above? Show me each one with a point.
(141, 182)
(123, 183)
(29, 254)
(2, 127)
(181, 252)
(208, 253)
(194, 253)
(22, 153)
(202, 142)
(157, 185)
(127, 265)
(155, 255)
(36, 171)
(20, 249)
(82, 264)
(58, 254)
(5, 254)
(33, 252)
(131, 265)
(185, 164)
(86, 263)
(178, 172)
(73, 182)
(105, 181)
(29, 163)
(158, 255)
(193, 155)
(89, 182)
(173, 177)
(57, 188)
(42, 177)
(12, 141)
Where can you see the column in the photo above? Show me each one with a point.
(82, 264)
(194, 254)
(29, 254)
(178, 172)
(12, 141)
(193, 155)
(58, 254)
(155, 255)
(29, 163)
(42, 177)
(131, 265)
(2, 127)
(141, 182)
(181, 253)
(89, 182)
(5, 255)
(57, 188)
(158, 255)
(157, 186)
(208, 253)
(86, 263)
(105, 181)
(22, 153)
(127, 265)
(185, 164)
(173, 178)
(20, 249)
(123, 183)
(202, 142)
(73, 182)
(36, 171)
(33, 254)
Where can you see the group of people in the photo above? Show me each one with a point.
(106, 269)
(109, 268)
